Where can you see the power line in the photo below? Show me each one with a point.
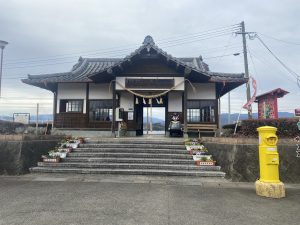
(265, 61)
(119, 55)
(297, 76)
(114, 49)
(214, 50)
(277, 39)
(220, 56)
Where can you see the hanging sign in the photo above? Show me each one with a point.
(149, 83)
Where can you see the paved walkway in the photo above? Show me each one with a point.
(80, 199)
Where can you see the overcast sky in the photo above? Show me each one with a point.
(49, 36)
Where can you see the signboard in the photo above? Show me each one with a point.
(130, 115)
(297, 112)
(149, 83)
(21, 118)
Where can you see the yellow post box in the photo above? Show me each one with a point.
(269, 184)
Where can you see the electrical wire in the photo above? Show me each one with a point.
(277, 39)
(264, 61)
(297, 76)
(113, 50)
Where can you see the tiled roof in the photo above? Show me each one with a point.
(80, 71)
(86, 68)
(278, 92)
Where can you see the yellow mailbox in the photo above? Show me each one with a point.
(268, 154)
(269, 184)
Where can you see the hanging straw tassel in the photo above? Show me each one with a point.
(161, 101)
(136, 101)
(144, 101)
(150, 101)
(157, 101)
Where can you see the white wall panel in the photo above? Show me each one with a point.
(71, 91)
(175, 101)
(126, 101)
(100, 91)
(202, 91)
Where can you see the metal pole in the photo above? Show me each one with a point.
(147, 120)
(151, 117)
(2, 46)
(229, 109)
(219, 113)
(37, 119)
(246, 67)
(1, 68)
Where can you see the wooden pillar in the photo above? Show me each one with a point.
(54, 107)
(185, 109)
(219, 113)
(87, 104)
(113, 128)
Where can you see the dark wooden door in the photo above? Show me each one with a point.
(138, 111)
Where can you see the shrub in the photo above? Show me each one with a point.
(287, 127)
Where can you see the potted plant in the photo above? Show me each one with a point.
(52, 159)
(123, 129)
(81, 140)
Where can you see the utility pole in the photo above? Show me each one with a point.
(243, 33)
(2, 46)
(229, 109)
(37, 119)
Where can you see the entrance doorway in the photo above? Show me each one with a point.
(159, 114)
(154, 120)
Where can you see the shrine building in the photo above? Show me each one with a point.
(98, 93)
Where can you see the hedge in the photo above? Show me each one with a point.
(287, 127)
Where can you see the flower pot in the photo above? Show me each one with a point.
(52, 160)
(205, 163)
(122, 133)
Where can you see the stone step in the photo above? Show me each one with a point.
(171, 141)
(129, 166)
(133, 145)
(129, 160)
(129, 155)
(131, 150)
(198, 173)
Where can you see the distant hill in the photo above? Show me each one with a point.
(42, 118)
(155, 120)
(244, 116)
(224, 117)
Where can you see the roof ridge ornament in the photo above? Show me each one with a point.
(148, 40)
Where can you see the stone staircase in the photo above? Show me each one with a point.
(166, 157)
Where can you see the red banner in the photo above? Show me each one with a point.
(248, 104)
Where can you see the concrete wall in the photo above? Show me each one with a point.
(239, 158)
(19, 153)
(203, 91)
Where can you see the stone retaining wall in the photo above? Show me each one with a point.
(239, 158)
(18, 153)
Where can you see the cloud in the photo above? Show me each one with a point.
(59, 31)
